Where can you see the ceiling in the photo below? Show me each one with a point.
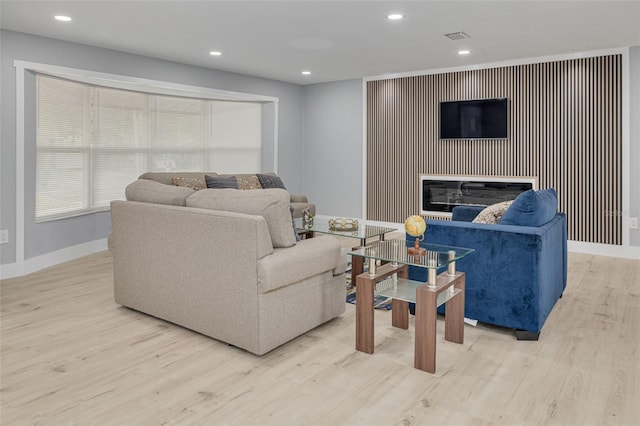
(335, 40)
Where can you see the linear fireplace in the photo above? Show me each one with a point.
(440, 194)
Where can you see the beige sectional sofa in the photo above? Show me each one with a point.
(225, 263)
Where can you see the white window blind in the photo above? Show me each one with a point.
(93, 141)
(236, 141)
(120, 144)
(63, 145)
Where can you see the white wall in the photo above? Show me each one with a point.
(332, 157)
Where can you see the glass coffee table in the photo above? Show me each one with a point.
(364, 232)
(391, 280)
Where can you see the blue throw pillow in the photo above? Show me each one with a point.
(221, 182)
(532, 208)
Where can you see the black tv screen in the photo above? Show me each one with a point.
(475, 119)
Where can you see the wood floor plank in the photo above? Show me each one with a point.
(70, 355)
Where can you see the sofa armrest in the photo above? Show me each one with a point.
(298, 198)
(298, 208)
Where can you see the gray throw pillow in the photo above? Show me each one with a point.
(220, 182)
(270, 181)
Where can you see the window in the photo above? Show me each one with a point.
(92, 141)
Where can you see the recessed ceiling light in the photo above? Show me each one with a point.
(395, 16)
(463, 52)
(62, 18)
(215, 53)
(306, 72)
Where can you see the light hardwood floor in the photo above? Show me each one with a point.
(70, 355)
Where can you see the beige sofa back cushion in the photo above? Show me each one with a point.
(167, 177)
(272, 204)
(149, 191)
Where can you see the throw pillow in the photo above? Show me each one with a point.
(272, 204)
(248, 182)
(150, 191)
(270, 181)
(220, 182)
(532, 208)
(492, 214)
(194, 183)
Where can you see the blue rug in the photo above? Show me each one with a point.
(379, 302)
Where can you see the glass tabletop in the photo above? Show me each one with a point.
(403, 289)
(436, 256)
(363, 230)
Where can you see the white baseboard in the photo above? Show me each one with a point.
(34, 264)
(625, 252)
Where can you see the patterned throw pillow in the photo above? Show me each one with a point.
(193, 183)
(248, 182)
(220, 182)
(270, 181)
(492, 214)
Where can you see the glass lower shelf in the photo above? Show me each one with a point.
(406, 290)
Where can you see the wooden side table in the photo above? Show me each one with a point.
(448, 289)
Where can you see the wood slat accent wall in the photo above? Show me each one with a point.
(565, 129)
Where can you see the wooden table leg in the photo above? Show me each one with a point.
(425, 323)
(357, 267)
(454, 317)
(364, 313)
(400, 314)
(399, 308)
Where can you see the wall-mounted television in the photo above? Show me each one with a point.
(475, 119)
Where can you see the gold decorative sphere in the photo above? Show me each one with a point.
(415, 225)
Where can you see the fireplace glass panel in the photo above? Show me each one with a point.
(444, 195)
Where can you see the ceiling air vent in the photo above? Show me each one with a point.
(460, 35)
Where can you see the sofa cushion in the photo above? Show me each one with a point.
(270, 181)
(306, 259)
(150, 191)
(221, 182)
(532, 208)
(195, 183)
(272, 204)
(492, 214)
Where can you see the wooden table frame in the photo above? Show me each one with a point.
(426, 313)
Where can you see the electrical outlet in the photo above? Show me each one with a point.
(4, 236)
(633, 223)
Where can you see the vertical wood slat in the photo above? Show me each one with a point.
(565, 128)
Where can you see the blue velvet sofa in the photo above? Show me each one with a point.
(516, 274)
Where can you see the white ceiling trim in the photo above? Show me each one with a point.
(124, 82)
